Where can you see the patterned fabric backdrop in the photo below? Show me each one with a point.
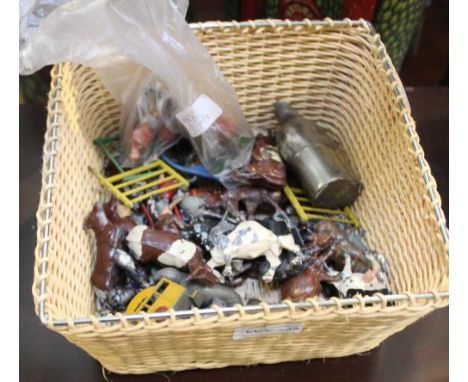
(395, 20)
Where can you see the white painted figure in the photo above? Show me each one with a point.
(248, 241)
(372, 280)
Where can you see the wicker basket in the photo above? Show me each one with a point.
(334, 71)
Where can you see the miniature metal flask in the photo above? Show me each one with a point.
(317, 158)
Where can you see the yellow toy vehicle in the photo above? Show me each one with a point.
(163, 296)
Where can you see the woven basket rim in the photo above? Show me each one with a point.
(409, 300)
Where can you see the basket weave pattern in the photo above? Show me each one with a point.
(329, 72)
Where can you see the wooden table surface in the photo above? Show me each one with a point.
(418, 353)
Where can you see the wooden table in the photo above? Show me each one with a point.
(418, 353)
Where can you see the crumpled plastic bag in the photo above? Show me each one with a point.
(148, 58)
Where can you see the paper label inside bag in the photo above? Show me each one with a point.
(243, 333)
(198, 117)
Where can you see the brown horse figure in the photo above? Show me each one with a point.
(342, 245)
(307, 284)
(266, 169)
(252, 198)
(109, 237)
(119, 214)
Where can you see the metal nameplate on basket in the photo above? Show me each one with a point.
(244, 333)
(306, 211)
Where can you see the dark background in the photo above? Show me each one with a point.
(426, 63)
(419, 353)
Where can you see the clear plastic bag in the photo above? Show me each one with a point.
(133, 44)
(149, 122)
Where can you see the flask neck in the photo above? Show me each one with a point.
(284, 112)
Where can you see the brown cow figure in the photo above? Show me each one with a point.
(169, 249)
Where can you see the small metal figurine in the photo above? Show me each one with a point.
(266, 168)
(317, 159)
(199, 231)
(169, 223)
(202, 200)
(307, 284)
(109, 256)
(192, 205)
(289, 267)
(343, 242)
(256, 269)
(353, 266)
(248, 241)
(117, 299)
(252, 198)
(119, 214)
(365, 283)
(217, 200)
(154, 123)
(169, 249)
(141, 139)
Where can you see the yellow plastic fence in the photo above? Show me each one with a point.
(306, 211)
(137, 182)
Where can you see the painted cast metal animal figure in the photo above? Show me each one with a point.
(252, 198)
(169, 249)
(266, 168)
(169, 223)
(343, 242)
(248, 241)
(350, 283)
(119, 214)
(307, 284)
(109, 256)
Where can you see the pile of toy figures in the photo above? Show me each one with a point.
(171, 237)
